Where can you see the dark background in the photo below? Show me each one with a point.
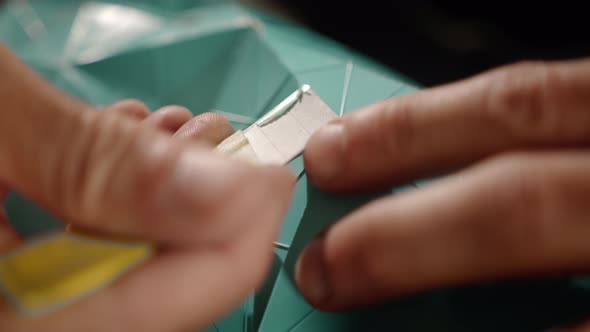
(434, 42)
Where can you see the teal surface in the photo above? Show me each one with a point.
(219, 56)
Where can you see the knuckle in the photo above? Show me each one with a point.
(527, 188)
(105, 169)
(68, 174)
(99, 157)
(519, 99)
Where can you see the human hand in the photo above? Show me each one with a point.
(516, 140)
(146, 177)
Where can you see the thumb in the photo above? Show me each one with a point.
(103, 171)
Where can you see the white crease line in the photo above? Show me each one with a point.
(347, 77)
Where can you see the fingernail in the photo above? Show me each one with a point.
(310, 273)
(325, 151)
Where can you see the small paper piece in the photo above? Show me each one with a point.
(282, 134)
(55, 270)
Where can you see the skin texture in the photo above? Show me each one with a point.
(131, 173)
(515, 141)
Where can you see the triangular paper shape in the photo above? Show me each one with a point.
(235, 321)
(293, 217)
(286, 307)
(301, 59)
(30, 220)
(193, 82)
(261, 300)
(253, 78)
(367, 86)
(100, 30)
(404, 90)
(317, 321)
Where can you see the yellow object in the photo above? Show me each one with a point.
(60, 268)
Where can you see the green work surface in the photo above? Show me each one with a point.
(220, 56)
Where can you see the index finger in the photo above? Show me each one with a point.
(438, 130)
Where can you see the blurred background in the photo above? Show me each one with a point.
(434, 42)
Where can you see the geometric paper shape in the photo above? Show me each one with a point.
(253, 75)
(299, 59)
(293, 217)
(289, 133)
(281, 135)
(29, 219)
(58, 269)
(102, 29)
(367, 87)
(235, 321)
(278, 92)
(285, 307)
(192, 82)
(404, 90)
(262, 296)
(318, 321)
(320, 210)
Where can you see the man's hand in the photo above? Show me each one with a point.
(128, 173)
(516, 141)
